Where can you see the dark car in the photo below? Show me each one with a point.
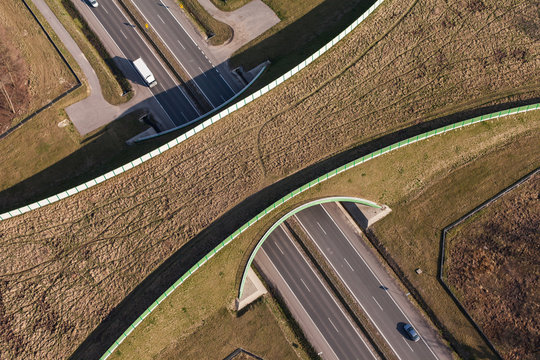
(413, 335)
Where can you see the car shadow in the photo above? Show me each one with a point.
(400, 327)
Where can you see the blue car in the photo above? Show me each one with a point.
(413, 335)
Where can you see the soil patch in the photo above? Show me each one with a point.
(494, 266)
(32, 71)
(13, 82)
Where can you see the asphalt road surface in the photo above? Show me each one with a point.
(211, 84)
(167, 92)
(334, 240)
(325, 324)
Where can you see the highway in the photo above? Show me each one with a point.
(210, 82)
(172, 98)
(333, 235)
(324, 323)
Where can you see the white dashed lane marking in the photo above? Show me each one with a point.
(302, 280)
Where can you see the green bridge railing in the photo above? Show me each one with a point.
(309, 185)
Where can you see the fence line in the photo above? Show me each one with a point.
(77, 85)
(442, 257)
(350, 165)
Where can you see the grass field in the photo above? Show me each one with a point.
(90, 251)
(493, 267)
(23, 39)
(406, 180)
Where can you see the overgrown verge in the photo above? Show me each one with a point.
(215, 31)
(493, 265)
(282, 311)
(13, 78)
(27, 83)
(229, 5)
(115, 88)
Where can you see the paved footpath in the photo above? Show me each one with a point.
(94, 111)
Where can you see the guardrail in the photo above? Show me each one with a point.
(309, 185)
(191, 132)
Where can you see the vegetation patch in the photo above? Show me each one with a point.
(13, 82)
(27, 82)
(229, 5)
(216, 31)
(493, 266)
(399, 70)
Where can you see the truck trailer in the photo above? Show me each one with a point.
(145, 72)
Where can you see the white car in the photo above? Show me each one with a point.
(94, 3)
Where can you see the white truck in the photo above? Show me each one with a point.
(145, 72)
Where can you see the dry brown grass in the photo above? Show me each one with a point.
(13, 81)
(46, 74)
(493, 154)
(223, 332)
(64, 267)
(493, 263)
